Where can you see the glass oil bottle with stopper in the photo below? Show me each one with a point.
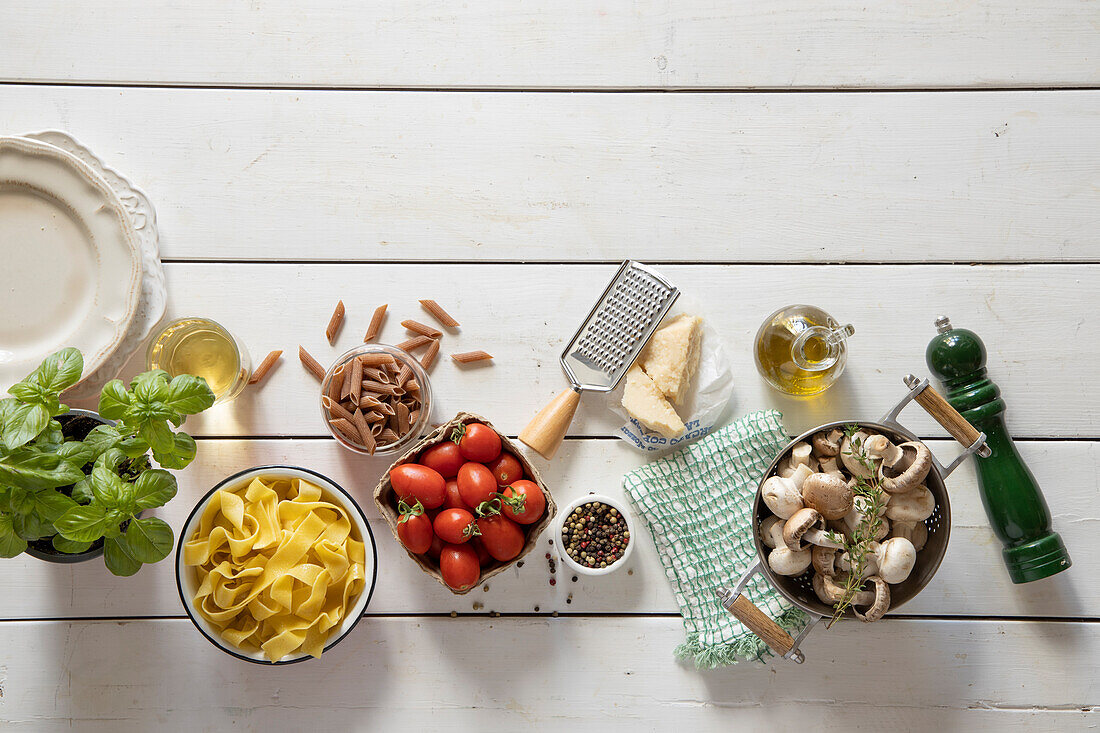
(801, 350)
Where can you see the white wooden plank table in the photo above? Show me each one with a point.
(888, 162)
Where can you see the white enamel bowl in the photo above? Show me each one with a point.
(560, 522)
(187, 582)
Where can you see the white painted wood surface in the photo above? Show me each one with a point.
(783, 44)
(371, 176)
(425, 190)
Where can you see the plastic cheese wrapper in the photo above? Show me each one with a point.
(703, 409)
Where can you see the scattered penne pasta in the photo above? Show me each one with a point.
(439, 314)
(467, 357)
(265, 366)
(310, 363)
(335, 322)
(375, 326)
(428, 359)
(415, 343)
(420, 328)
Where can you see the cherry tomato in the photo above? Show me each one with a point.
(453, 499)
(477, 442)
(523, 502)
(506, 469)
(455, 526)
(460, 566)
(483, 555)
(503, 539)
(436, 548)
(445, 458)
(420, 483)
(415, 533)
(476, 484)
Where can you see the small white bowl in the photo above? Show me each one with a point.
(187, 583)
(564, 514)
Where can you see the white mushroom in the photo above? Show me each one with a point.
(824, 560)
(860, 506)
(915, 532)
(913, 506)
(829, 467)
(827, 443)
(829, 495)
(782, 496)
(801, 473)
(870, 561)
(807, 525)
(771, 532)
(848, 453)
(880, 448)
(785, 562)
(829, 591)
(907, 469)
(800, 455)
(880, 605)
(895, 559)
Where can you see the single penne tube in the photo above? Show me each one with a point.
(374, 416)
(265, 366)
(368, 401)
(361, 425)
(415, 343)
(335, 322)
(311, 364)
(385, 408)
(375, 359)
(438, 313)
(387, 436)
(336, 384)
(355, 379)
(411, 386)
(422, 329)
(335, 409)
(402, 411)
(377, 428)
(345, 384)
(428, 359)
(404, 375)
(347, 429)
(380, 388)
(375, 326)
(467, 357)
(414, 416)
(374, 373)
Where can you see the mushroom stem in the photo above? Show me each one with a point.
(822, 538)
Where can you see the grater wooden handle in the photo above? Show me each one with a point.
(547, 429)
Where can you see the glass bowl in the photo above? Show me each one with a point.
(415, 430)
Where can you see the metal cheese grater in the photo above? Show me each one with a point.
(604, 347)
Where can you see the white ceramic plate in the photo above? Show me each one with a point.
(72, 266)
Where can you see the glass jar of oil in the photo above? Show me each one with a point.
(204, 348)
(801, 350)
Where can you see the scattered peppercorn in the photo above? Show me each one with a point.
(574, 578)
(553, 582)
(536, 609)
(454, 614)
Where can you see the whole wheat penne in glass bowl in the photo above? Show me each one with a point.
(376, 399)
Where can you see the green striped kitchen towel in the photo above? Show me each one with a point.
(697, 503)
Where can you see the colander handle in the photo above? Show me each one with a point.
(748, 613)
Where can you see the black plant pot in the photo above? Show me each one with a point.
(74, 424)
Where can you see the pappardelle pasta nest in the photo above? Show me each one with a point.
(278, 567)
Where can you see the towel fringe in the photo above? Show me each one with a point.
(748, 648)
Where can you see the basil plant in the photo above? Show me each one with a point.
(75, 494)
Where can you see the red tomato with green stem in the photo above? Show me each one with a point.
(445, 458)
(476, 484)
(420, 483)
(459, 566)
(506, 469)
(414, 528)
(455, 526)
(483, 555)
(503, 538)
(523, 502)
(477, 442)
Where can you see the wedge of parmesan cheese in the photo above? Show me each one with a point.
(648, 405)
(672, 356)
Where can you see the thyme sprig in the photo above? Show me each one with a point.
(858, 546)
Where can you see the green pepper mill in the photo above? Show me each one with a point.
(1013, 502)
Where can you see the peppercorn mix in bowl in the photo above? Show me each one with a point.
(596, 535)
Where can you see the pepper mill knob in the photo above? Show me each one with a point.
(1013, 502)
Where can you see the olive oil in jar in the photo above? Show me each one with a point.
(205, 349)
(801, 350)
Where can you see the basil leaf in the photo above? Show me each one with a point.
(11, 544)
(21, 500)
(58, 371)
(113, 400)
(82, 491)
(149, 539)
(133, 447)
(28, 469)
(183, 452)
(188, 395)
(31, 526)
(158, 435)
(76, 452)
(61, 544)
(101, 439)
(151, 386)
(117, 557)
(83, 523)
(153, 488)
(107, 487)
(26, 392)
(24, 423)
(51, 504)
